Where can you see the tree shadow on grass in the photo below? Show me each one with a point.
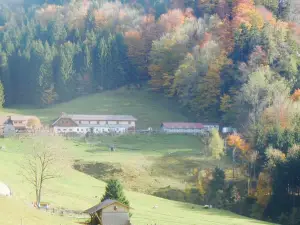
(101, 171)
(236, 219)
(181, 163)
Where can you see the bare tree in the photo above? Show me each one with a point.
(37, 169)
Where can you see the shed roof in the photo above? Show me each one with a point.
(81, 117)
(181, 125)
(103, 205)
(100, 117)
(16, 118)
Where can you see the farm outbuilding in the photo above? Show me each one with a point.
(109, 212)
(182, 128)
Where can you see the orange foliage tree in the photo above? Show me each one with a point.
(296, 95)
(244, 12)
(172, 19)
(237, 143)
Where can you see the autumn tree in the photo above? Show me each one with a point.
(244, 12)
(216, 144)
(34, 123)
(238, 146)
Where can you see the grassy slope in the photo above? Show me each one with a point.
(15, 212)
(149, 108)
(164, 160)
(145, 163)
(75, 190)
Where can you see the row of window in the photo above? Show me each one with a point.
(92, 122)
(82, 130)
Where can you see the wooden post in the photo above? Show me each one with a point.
(98, 218)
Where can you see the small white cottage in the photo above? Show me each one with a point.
(109, 212)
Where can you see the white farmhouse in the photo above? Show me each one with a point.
(97, 124)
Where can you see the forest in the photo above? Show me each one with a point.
(235, 62)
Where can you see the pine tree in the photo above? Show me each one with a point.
(216, 185)
(114, 191)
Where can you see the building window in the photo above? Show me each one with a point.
(98, 122)
(106, 122)
(129, 122)
(58, 129)
(79, 122)
(77, 129)
(70, 129)
(117, 122)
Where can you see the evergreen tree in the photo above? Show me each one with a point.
(114, 191)
(217, 186)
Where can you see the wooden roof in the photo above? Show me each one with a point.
(103, 205)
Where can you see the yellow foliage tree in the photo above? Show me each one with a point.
(264, 189)
(237, 143)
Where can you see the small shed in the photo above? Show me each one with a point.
(109, 212)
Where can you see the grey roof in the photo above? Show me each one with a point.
(102, 205)
(99, 117)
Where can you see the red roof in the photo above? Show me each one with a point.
(183, 125)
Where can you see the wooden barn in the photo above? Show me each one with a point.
(109, 212)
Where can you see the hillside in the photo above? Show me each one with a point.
(13, 211)
(149, 108)
(77, 191)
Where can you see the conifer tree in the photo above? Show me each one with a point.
(114, 191)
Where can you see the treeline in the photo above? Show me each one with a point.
(201, 54)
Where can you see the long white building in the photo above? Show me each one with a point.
(187, 128)
(82, 124)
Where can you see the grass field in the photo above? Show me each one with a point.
(78, 191)
(149, 108)
(143, 163)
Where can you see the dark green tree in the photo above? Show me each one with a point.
(216, 186)
(114, 191)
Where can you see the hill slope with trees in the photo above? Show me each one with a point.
(235, 62)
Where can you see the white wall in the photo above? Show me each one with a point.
(124, 122)
(191, 131)
(84, 130)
